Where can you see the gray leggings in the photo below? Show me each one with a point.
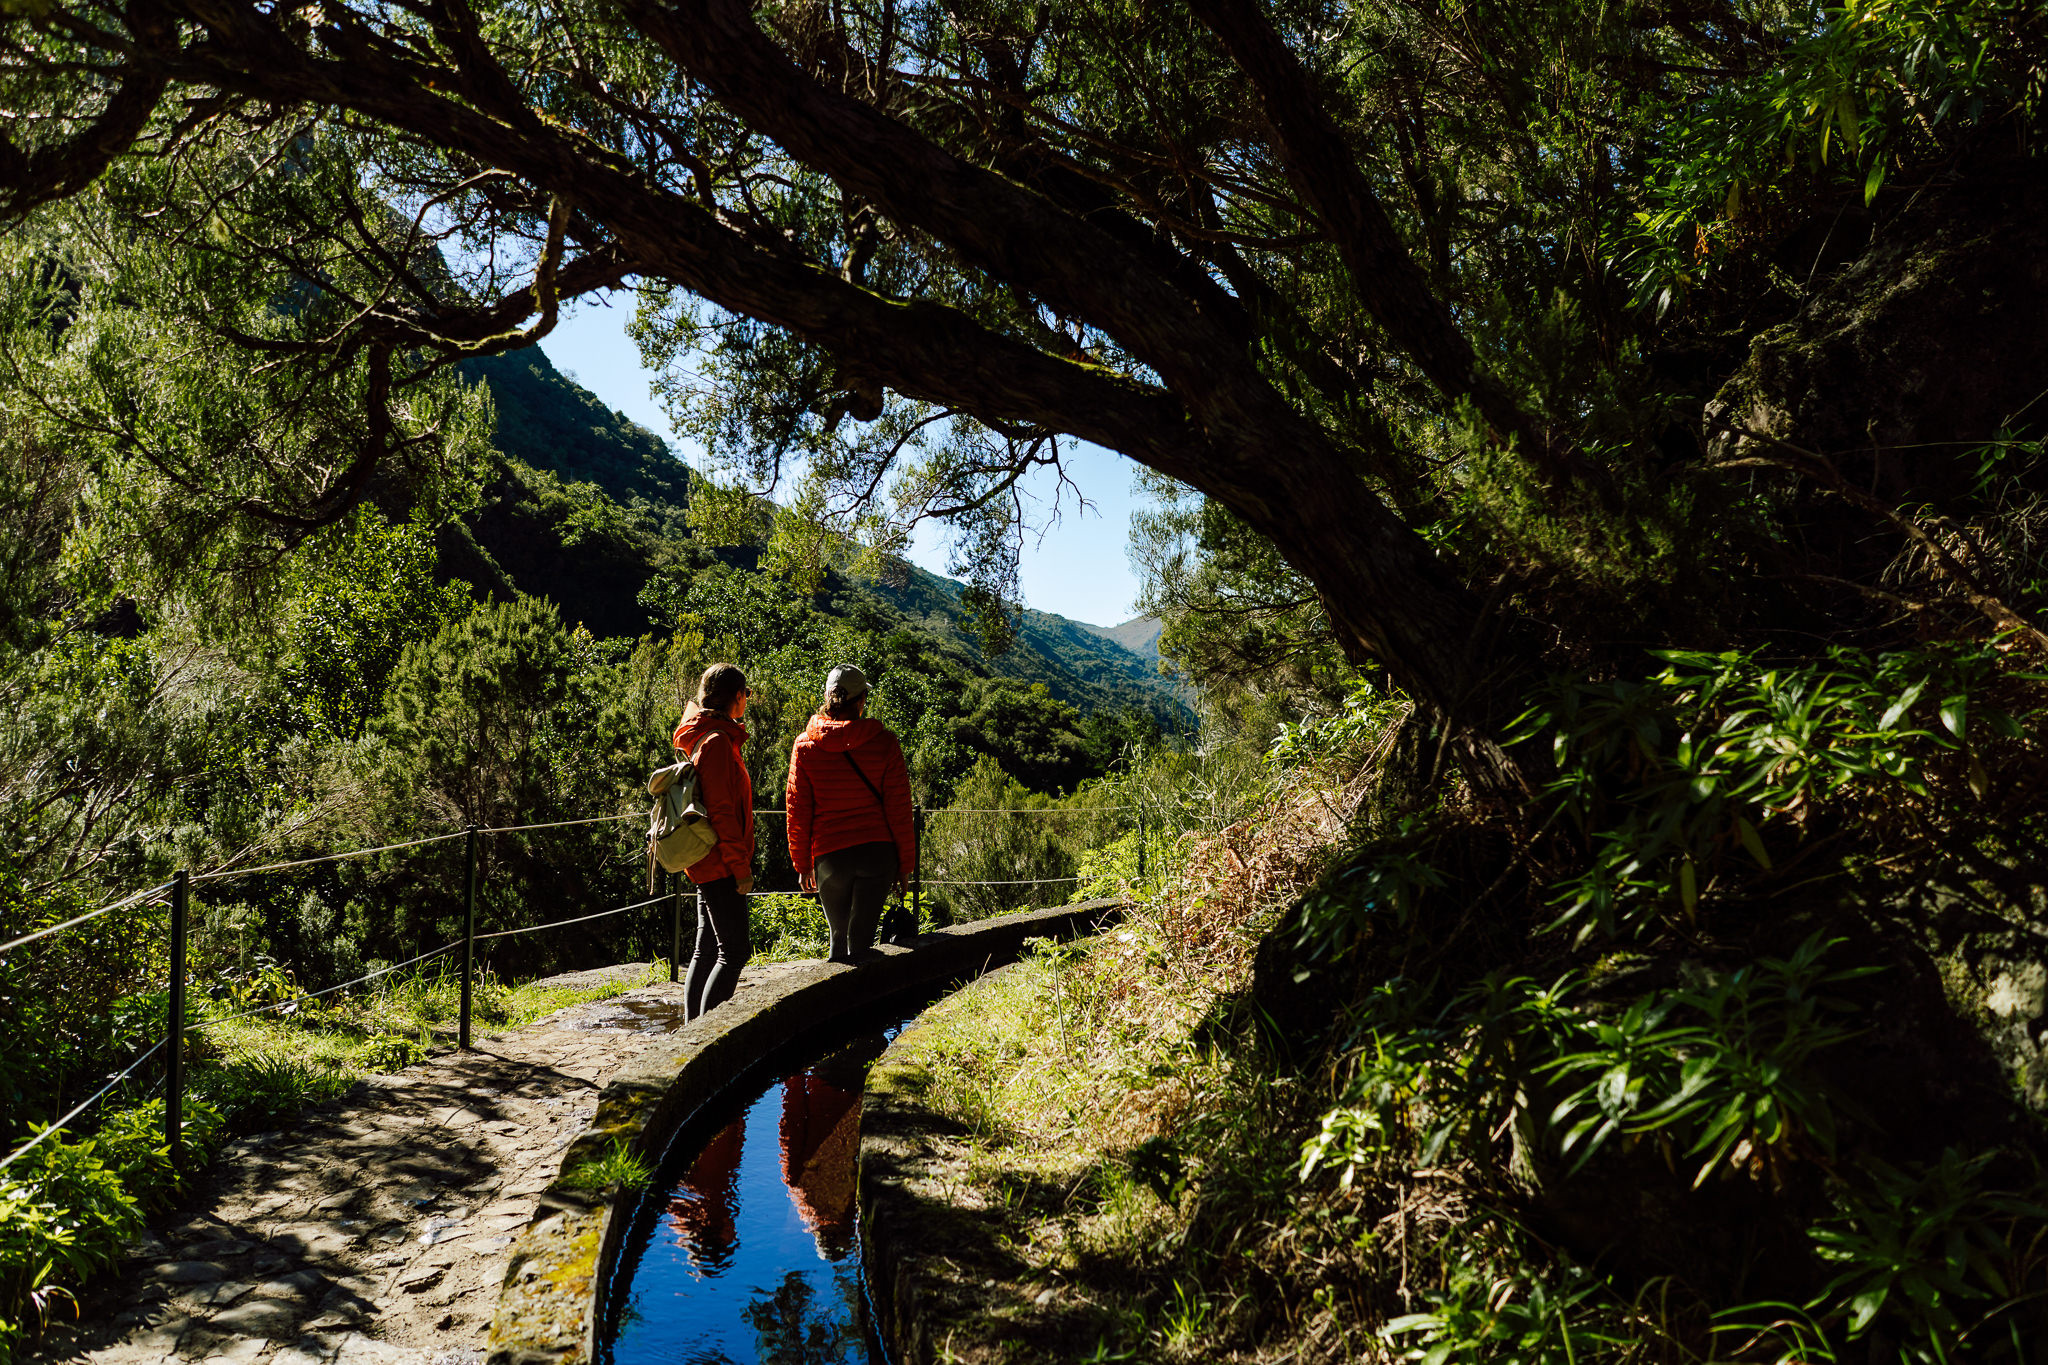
(852, 884)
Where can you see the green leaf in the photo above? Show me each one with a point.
(1689, 887)
(1955, 714)
(1873, 182)
(1752, 842)
(1902, 705)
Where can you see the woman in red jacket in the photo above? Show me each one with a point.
(711, 736)
(851, 833)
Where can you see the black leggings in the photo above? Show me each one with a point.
(852, 884)
(722, 950)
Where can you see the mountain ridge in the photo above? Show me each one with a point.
(540, 535)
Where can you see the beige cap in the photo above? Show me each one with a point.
(845, 683)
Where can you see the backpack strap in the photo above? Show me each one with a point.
(873, 790)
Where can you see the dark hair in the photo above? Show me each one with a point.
(845, 708)
(720, 687)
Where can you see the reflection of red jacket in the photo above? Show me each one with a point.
(704, 1211)
(712, 739)
(820, 1152)
(830, 808)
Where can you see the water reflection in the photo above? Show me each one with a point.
(703, 1216)
(755, 1253)
(792, 1328)
(821, 1145)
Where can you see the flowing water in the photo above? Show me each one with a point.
(747, 1247)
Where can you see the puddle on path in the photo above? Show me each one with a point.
(625, 1014)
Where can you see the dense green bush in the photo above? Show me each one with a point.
(63, 1215)
(1693, 1017)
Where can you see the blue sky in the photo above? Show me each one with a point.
(1078, 567)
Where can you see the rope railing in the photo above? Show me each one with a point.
(12, 944)
(179, 888)
(223, 873)
(1033, 810)
(562, 824)
(80, 1107)
(290, 1002)
(1022, 881)
(580, 919)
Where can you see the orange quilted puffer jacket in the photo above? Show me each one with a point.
(830, 808)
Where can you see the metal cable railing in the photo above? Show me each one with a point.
(12, 944)
(81, 1106)
(179, 891)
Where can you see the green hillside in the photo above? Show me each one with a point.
(586, 507)
(553, 423)
(1078, 663)
(1140, 635)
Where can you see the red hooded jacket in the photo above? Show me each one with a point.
(712, 739)
(830, 808)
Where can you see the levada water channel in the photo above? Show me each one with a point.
(746, 1246)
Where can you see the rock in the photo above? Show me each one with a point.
(235, 1350)
(146, 1247)
(300, 1284)
(207, 1251)
(222, 1294)
(311, 1239)
(165, 1335)
(188, 1272)
(127, 1355)
(272, 1318)
(200, 1230)
(423, 1279)
(311, 1349)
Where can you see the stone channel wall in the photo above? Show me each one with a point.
(552, 1301)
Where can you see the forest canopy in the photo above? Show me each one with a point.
(1434, 300)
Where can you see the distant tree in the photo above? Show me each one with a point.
(1114, 739)
(353, 612)
(1034, 736)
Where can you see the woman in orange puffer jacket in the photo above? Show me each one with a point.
(851, 832)
(711, 735)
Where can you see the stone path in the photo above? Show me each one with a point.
(376, 1230)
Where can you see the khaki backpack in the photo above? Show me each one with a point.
(679, 831)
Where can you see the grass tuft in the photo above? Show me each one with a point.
(617, 1166)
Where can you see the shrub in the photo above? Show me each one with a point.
(786, 927)
(616, 1166)
(131, 1141)
(63, 1216)
(259, 1093)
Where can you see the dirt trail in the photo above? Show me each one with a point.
(375, 1230)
